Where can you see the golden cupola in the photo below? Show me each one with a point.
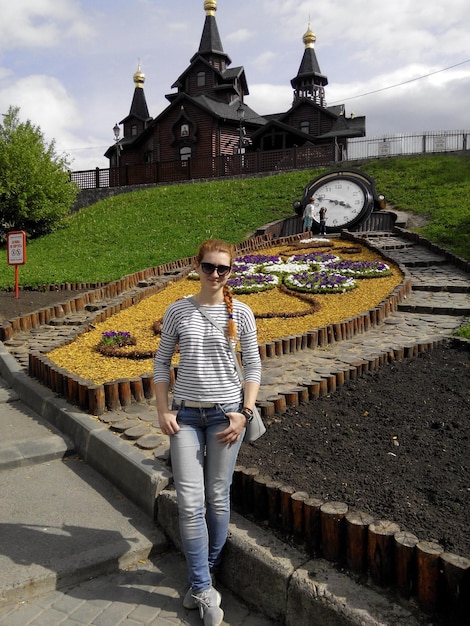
(139, 77)
(309, 38)
(210, 7)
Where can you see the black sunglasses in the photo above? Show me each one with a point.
(222, 270)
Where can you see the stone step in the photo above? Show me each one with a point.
(61, 523)
(436, 302)
(27, 439)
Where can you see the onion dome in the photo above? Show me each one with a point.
(309, 38)
(210, 7)
(139, 77)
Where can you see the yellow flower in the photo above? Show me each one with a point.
(289, 315)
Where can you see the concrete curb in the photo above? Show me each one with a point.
(286, 584)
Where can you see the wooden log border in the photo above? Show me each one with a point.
(420, 571)
(437, 580)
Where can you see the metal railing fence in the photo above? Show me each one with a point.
(408, 144)
(252, 163)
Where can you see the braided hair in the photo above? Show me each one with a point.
(217, 245)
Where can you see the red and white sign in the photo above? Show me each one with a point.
(16, 251)
(16, 247)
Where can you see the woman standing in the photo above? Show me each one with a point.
(207, 419)
(322, 214)
(307, 216)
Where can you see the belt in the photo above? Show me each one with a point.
(195, 405)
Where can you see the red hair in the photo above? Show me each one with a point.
(217, 245)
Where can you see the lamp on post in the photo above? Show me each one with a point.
(241, 117)
(116, 131)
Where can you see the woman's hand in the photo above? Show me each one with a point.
(168, 423)
(234, 430)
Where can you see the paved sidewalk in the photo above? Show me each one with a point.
(147, 594)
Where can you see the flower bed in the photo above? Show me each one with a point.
(319, 282)
(282, 311)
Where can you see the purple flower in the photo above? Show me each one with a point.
(314, 257)
(116, 338)
(319, 281)
(360, 268)
(249, 283)
(256, 259)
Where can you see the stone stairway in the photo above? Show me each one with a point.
(60, 521)
(438, 287)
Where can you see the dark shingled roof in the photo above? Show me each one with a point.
(139, 107)
(347, 127)
(211, 42)
(309, 67)
(222, 110)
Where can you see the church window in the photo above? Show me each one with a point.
(134, 130)
(305, 126)
(184, 130)
(201, 79)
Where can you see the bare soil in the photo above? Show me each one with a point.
(31, 300)
(395, 444)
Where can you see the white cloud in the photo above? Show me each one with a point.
(44, 101)
(241, 35)
(41, 23)
(264, 61)
(265, 98)
(413, 106)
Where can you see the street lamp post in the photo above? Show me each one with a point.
(116, 173)
(241, 117)
(116, 131)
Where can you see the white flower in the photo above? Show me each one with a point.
(315, 240)
(285, 268)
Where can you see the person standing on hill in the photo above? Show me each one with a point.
(322, 214)
(308, 216)
(210, 410)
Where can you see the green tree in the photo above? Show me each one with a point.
(35, 188)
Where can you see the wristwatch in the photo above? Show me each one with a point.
(247, 413)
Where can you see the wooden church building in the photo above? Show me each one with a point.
(207, 129)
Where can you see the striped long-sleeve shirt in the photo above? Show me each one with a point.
(206, 371)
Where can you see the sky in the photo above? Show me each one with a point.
(69, 64)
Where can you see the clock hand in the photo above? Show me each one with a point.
(340, 202)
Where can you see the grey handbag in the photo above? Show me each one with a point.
(254, 428)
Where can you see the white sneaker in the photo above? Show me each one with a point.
(208, 602)
(189, 602)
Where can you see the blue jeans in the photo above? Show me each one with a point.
(202, 470)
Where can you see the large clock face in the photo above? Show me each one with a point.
(343, 199)
(347, 198)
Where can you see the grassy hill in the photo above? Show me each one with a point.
(435, 186)
(146, 228)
